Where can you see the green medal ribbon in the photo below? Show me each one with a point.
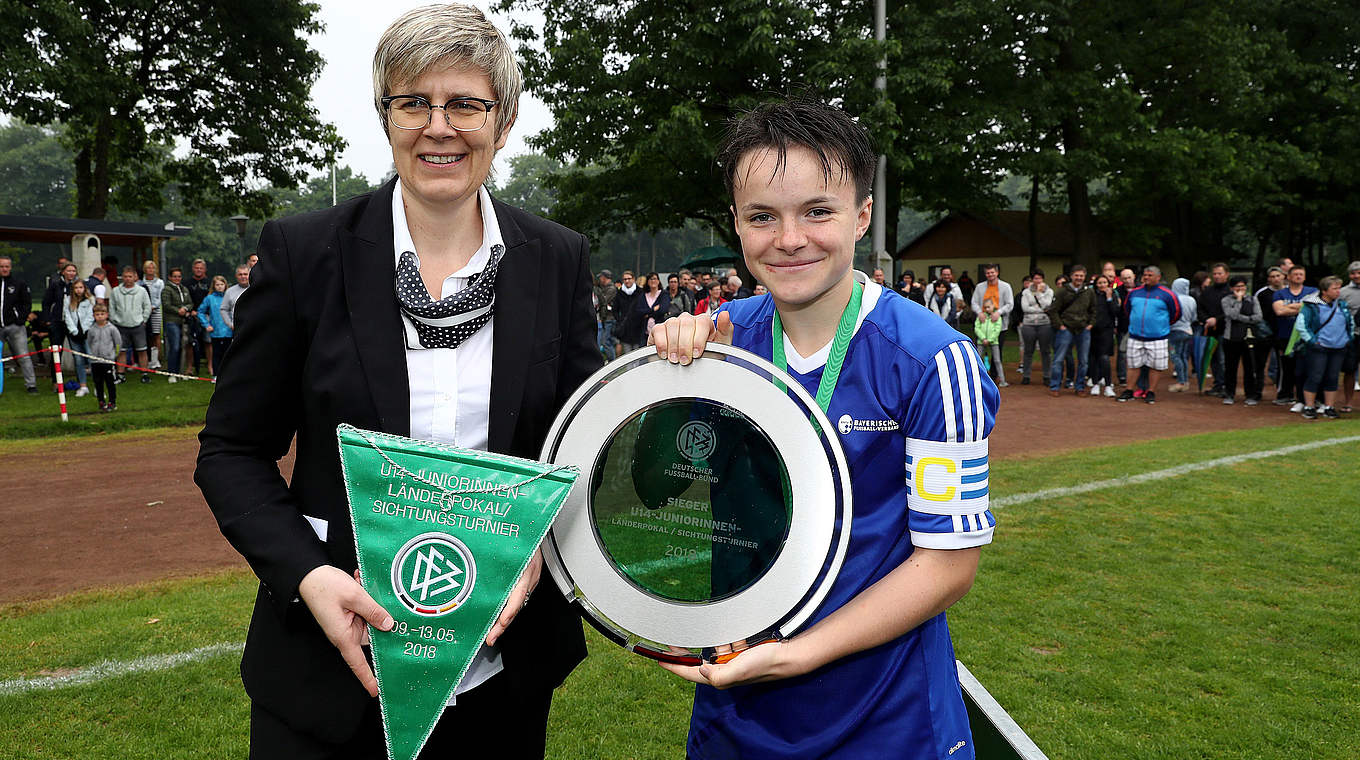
(831, 373)
(442, 534)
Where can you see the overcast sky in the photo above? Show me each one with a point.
(344, 92)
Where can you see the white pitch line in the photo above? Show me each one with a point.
(114, 669)
(1170, 472)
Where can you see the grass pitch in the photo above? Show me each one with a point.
(1207, 615)
(141, 406)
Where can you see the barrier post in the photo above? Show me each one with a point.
(61, 384)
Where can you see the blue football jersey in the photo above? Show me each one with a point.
(913, 409)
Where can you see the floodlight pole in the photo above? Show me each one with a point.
(879, 219)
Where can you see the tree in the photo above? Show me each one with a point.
(1310, 107)
(35, 172)
(316, 193)
(529, 185)
(1187, 127)
(640, 94)
(1217, 117)
(1185, 160)
(212, 96)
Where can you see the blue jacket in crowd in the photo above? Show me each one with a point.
(1150, 311)
(1323, 324)
(210, 314)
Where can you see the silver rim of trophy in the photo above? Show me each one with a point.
(784, 596)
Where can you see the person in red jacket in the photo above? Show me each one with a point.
(714, 299)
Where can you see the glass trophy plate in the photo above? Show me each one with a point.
(716, 507)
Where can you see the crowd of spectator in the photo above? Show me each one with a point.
(1091, 334)
(120, 315)
(1113, 335)
(1095, 334)
(626, 312)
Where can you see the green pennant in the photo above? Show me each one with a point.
(442, 534)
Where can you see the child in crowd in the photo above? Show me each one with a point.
(874, 673)
(78, 315)
(988, 332)
(210, 316)
(104, 341)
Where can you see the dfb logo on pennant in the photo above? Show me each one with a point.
(433, 574)
(441, 534)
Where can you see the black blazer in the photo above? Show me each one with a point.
(319, 342)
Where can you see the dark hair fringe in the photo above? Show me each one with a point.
(839, 142)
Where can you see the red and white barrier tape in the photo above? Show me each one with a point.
(61, 385)
(30, 353)
(100, 360)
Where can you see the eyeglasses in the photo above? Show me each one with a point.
(414, 112)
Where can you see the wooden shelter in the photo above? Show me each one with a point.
(87, 237)
(966, 241)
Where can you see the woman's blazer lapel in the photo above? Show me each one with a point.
(368, 268)
(517, 298)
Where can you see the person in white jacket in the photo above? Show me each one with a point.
(999, 292)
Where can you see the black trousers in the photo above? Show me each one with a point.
(1260, 355)
(103, 382)
(512, 721)
(198, 340)
(1237, 352)
(219, 347)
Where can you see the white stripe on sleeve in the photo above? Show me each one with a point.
(947, 392)
(961, 367)
(981, 423)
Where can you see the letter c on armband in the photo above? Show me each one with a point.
(950, 467)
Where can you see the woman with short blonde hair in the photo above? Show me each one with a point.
(155, 286)
(438, 35)
(424, 309)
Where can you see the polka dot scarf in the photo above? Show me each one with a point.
(449, 321)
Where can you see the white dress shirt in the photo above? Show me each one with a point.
(451, 387)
